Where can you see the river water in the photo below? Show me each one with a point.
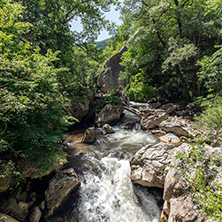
(106, 193)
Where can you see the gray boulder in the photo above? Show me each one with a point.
(89, 135)
(109, 78)
(177, 126)
(150, 164)
(107, 129)
(184, 208)
(79, 108)
(108, 114)
(171, 138)
(153, 120)
(59, 189)
(8, 205)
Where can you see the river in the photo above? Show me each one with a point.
(106, 193)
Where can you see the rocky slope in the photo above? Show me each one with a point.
(156, 165)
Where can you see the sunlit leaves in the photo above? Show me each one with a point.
(211, 72)
(32, 108)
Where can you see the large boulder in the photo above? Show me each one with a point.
(59, 189)
(153, 120)
(109, 114)
(180, 201)
(35, 215)
(109, 78)
(184, 208)
(177, 126)
(89, 135)
(150, 164)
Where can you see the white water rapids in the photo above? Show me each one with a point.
(106, 193)
(110, 197)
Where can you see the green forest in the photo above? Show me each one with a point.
(46, 67)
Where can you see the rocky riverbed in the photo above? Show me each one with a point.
(171, 131)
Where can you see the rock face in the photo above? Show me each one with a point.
(108, 114)
(153, 120)
(108, 79)
(89, 135)
(59, 189)
(149, 165)
(177, 126)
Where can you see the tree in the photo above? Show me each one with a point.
(51, 20)
(32, 111)
(179, 33)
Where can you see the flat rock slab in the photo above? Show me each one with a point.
(177, 126)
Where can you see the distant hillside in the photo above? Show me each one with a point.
(102, 44)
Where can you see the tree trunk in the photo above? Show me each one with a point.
(178, 72)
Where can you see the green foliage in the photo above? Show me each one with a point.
(176, 34)
(112, 98)
(32, 109)
(211, 72)
(211, 119)
(102, 44)
(206, 183)
(139, 88)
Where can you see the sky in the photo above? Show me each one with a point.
(113, 16)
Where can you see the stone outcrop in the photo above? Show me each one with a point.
(109, 114)
(59, 189)
(177, 126)
(150, 167)
(153, 120)
(89, 135)
(150, 164)
(109, 78)
(30, 170)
